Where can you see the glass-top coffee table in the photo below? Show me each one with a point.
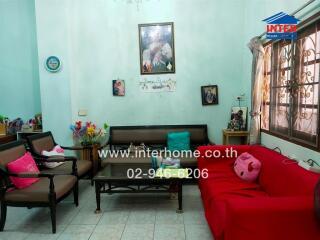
(135, 178)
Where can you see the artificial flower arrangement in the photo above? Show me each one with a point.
(3, 119)
(88, 133)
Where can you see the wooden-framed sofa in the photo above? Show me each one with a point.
(47, 192)
(154, 137)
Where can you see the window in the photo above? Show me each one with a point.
(290, 103)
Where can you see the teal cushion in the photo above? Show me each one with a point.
(154, 163)
(178, 141)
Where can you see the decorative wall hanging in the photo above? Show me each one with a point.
(118, 87)
(209, 95)
(53, 64)
(158, 85)
(156, 42)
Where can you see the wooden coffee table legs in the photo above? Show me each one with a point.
(179, 210)
(98, 198)
(98, 186)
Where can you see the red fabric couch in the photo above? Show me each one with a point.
(280, 205)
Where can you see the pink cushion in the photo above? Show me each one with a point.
(247, 167)
(55, 152)
(58, 149)
(24, 164)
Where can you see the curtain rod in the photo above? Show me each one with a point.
(295, 12)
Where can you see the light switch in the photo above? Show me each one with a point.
(82, 112)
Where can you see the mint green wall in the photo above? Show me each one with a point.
(290, 149)
(19, 79)
(54, 38)
(207, 52)
(255, 11)
(98, 41)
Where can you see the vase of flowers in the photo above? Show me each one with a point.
(88, 134)
(90, 137)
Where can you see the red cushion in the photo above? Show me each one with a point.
(24, 164)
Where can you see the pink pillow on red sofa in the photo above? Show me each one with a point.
(24, 164)
(247, 167)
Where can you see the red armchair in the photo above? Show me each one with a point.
(280, 205)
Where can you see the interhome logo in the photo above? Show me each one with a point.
(281, 26)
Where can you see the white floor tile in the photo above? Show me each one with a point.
(114, 217)
(86, 217)
(138, 232)
(169, 231)
(168, 217)
(142, 217)
(77, 232)
(194, 217)
(124, 216)
(110, 232)
(196, 232)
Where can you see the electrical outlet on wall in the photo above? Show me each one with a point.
(82, 112)
(241, 97)
(240, 100)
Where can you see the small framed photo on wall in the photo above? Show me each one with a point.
(118, 87)
(209, 95)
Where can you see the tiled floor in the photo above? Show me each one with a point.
(125, 217)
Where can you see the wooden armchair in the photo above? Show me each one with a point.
(47, 192)
(45, 142)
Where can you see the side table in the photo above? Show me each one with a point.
(243, 135)
(7, 138)
(91, 153)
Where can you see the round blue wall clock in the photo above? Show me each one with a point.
(53, 64)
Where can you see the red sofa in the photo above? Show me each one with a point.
(280, 205)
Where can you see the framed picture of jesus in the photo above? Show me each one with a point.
(156, 43)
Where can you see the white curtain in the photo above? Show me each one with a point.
(256, 47)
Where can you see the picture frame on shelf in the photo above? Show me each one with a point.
(238, 120)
